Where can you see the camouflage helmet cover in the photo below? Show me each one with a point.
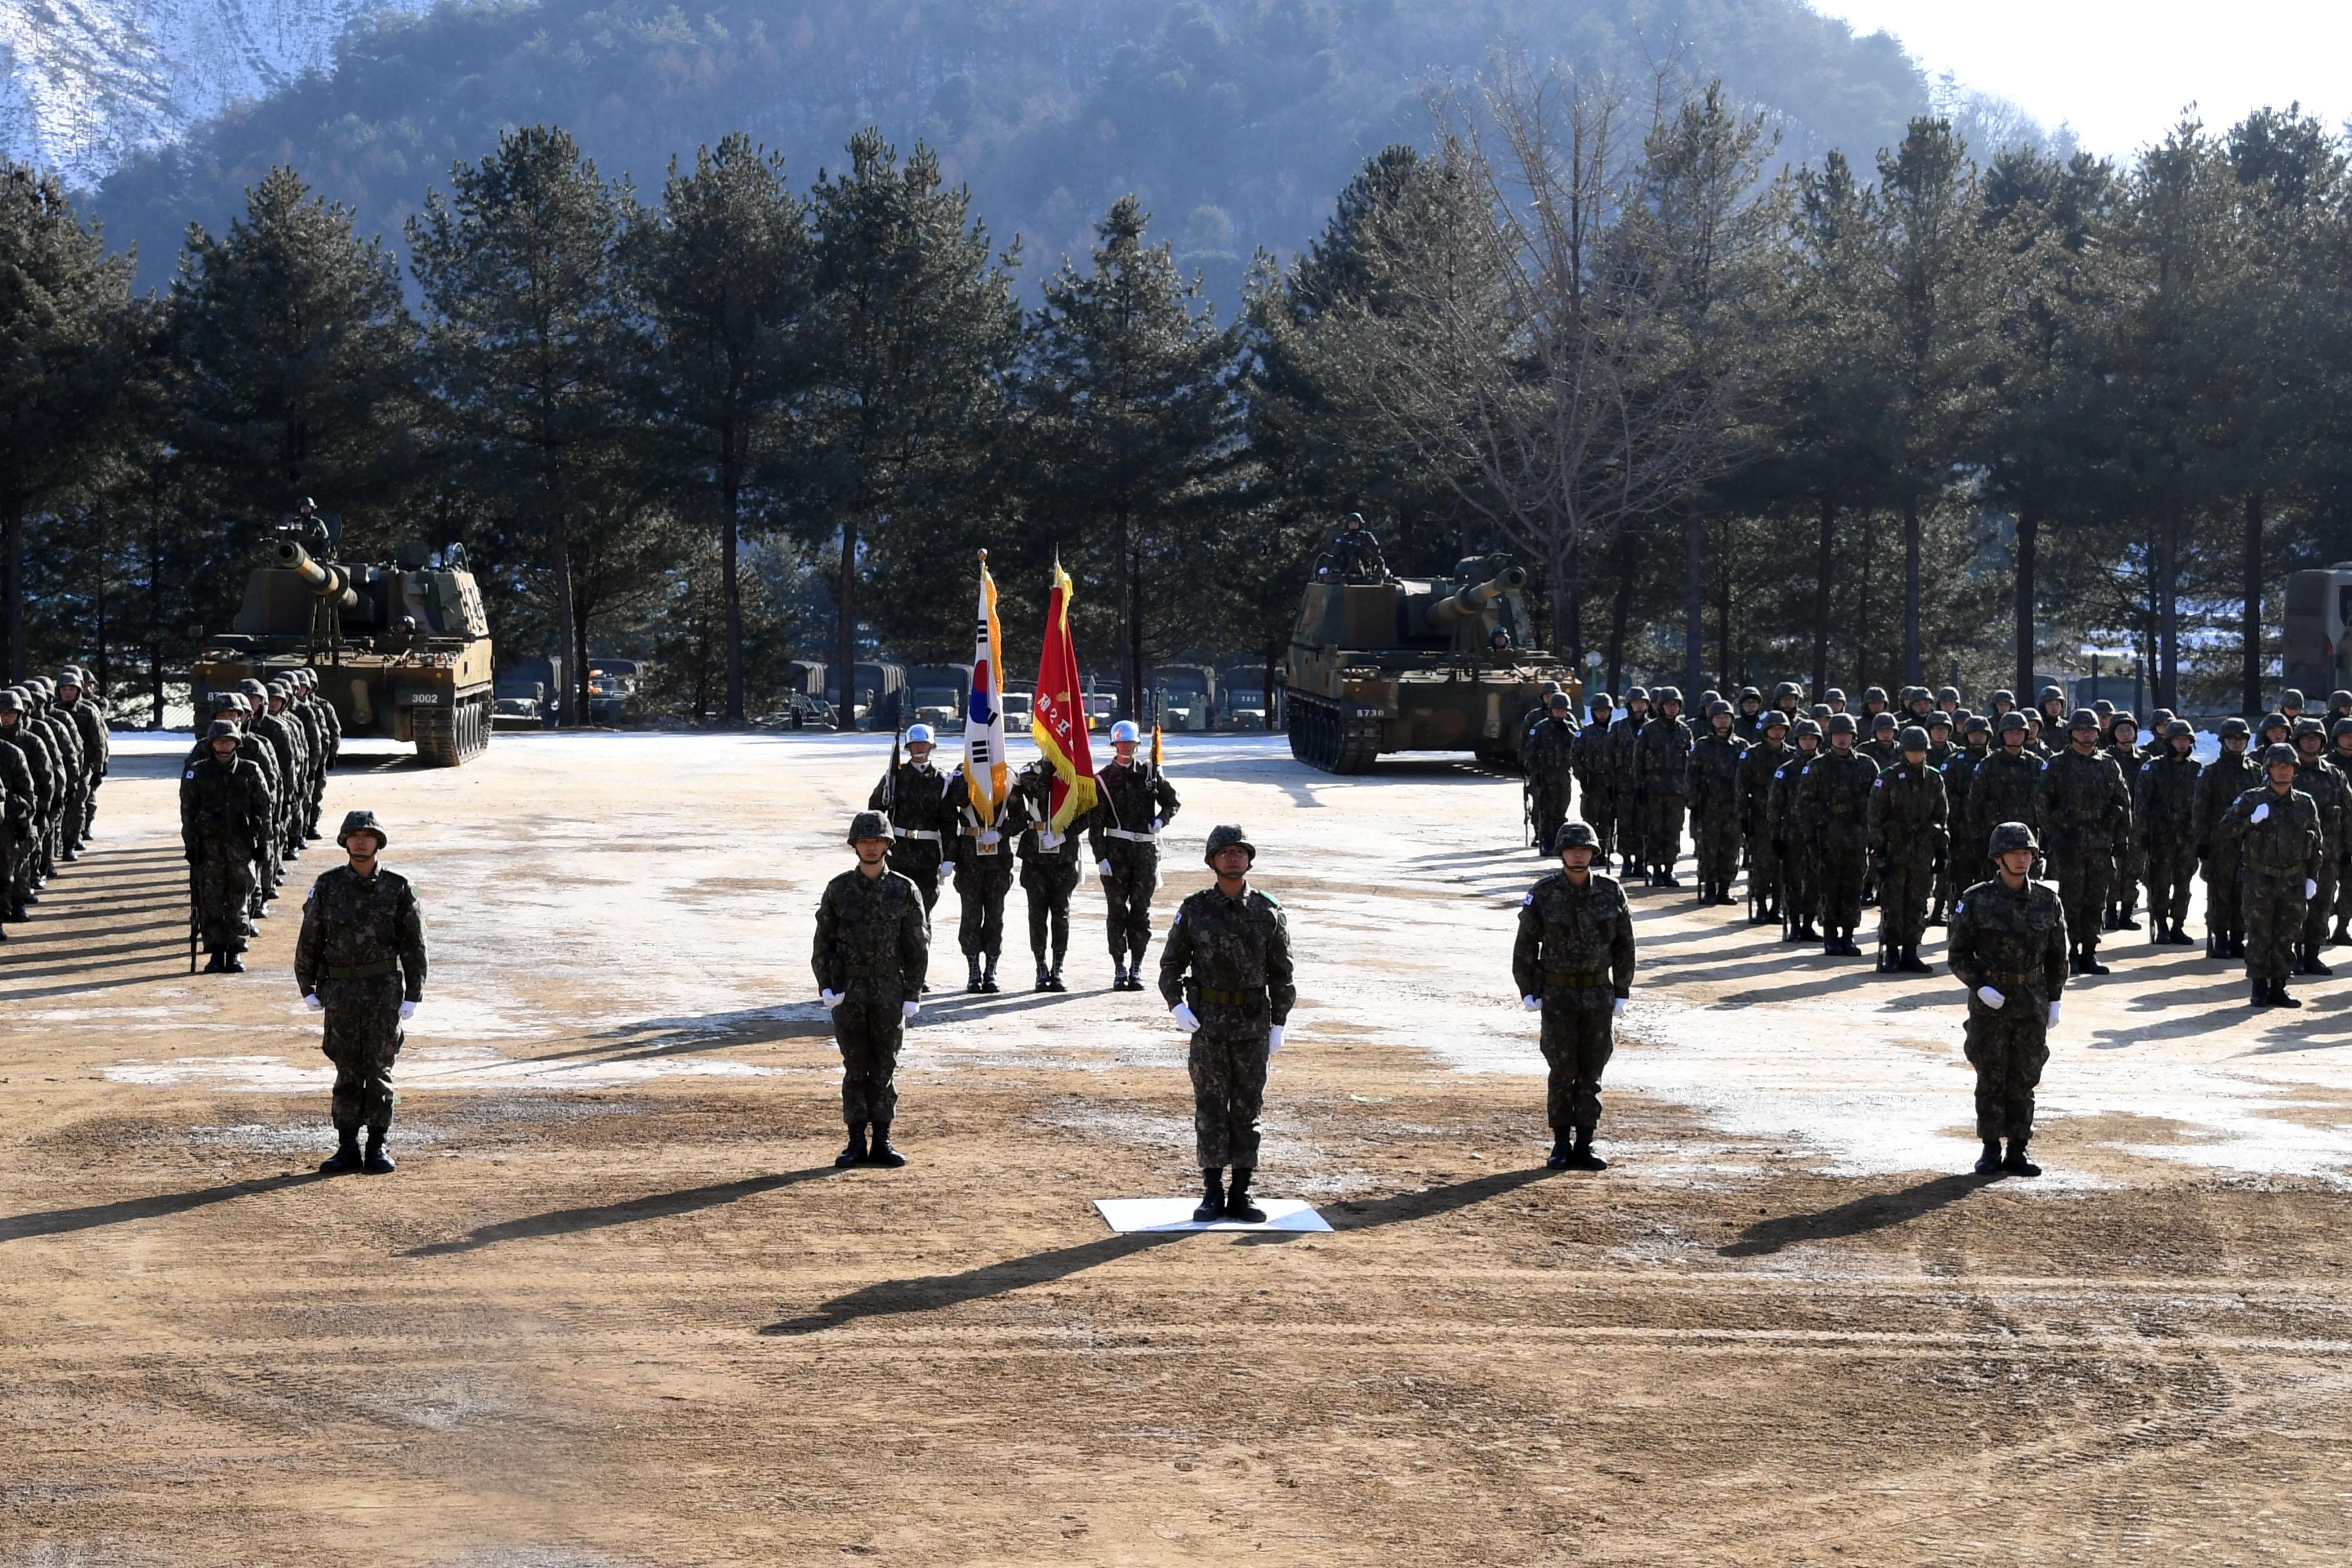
(1913, 739)
(1718, 707)
(2341, 728)
(868, 824)
(1227, 835)
(1881, 722)
(1839, 724)
(1575, 836)
(218, 730)
(2012, 721)
(1807, 727)
(1978, 724)
(2233, 727)
(2009, 836)
(362, 822)
(2082, 719)
(2278, 753)
(2179, 730)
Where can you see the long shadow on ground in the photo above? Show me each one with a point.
(1880, 1211)
(156, 1206)
(597, 1217)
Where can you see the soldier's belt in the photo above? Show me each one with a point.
(359, 971)
(1232, 999)
(1131, 836)
(867, 972)
(1577, 979)
(1047, 839)
(930, 834)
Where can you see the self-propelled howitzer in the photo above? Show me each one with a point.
(402, 649)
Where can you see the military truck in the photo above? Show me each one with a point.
(402, 649)
(1414, 664)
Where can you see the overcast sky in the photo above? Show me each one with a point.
(2120, 72)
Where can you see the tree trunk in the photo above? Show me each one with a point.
(2029, 540)
(1727, 681)
(579, 611)
(1128, 702)
(1693, 601)
(571, 701)
(1913, 669)
(1619, 611)
(1862, 580)
(2250, 620)
(12, 584)
(732, 483)
(1135, 640)
(1564, 572)
(2168, 611)
(1825, 566)
(155, 618)
(845, 629)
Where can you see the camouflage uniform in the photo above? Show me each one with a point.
(2224, 780)
(2006, 787)
(1133, 802)
(2340, 732)
(1905, 821)
(2131, 862)
(1757, 769)
(257, 749)
(1834, 802)
(1575, 952)
(1551, 761)
(1229, 960)
(1963, 859)
(2316, 776)
(922, 811)
(293, 766)
(82, 711)
(224, 815)
(872, 947)
(2164, 822)
(1595, 781)
(361, 953)
(24, 758)
(2086, 815)
(1792, 841)
(1664, 755)
(983, 860)
(1049, 873)
(2276, 858)
(2013, 940)
(1716, 808)
(1625, 772)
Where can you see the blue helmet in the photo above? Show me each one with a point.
(920, 735)
(1125, 730)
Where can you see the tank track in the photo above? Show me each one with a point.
(1322, 737)
(449, 737)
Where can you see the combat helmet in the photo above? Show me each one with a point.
(10, 702)
(1600, 700)
(2234, 726)
(1839, 724)
(1715, 707)
(2122, 716)
(1575, 835)
(1805, 727)
(2005, 695)
(1787, 688)
(2290, 698)
(2308, 727)
(1666, 694)
(1874, 694)
(868, 824)
(1773, 719)
(1558, 700)
(2341, 727)
(1978, 724)
(1913, 739)
(2177, 729)
(2279, 752)
(1881, 722)
(2082, 719)
(218, 730)
(1227, 835)
(2009, 836)
(362, 822)
(1636, 694)
(1948, 694)
(2047, 695)
(2012, 719)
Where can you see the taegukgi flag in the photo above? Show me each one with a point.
(1058, 721)
(983, 719)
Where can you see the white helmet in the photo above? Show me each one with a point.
(1125, 730)
(920, 735)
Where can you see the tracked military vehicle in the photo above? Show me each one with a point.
(1416, 664)
(402, 649)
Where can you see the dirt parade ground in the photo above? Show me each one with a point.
(616, 1306)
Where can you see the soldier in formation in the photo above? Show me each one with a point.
(1791, 842)
(360, 960)
(1049, 872)
(2084, 812)
(1133, 801)
(1625, 770)
(2009, 949)
(1550, 760)
(2316, 776)
(1757, 770)
(1662, 755)
(1225, 975)
(1906, 820)
(871, 949)
(2120, 740)
(225, 821)
(79, 705)
(28, 768)
(2164, 823)
(2224, 780)
(1717, 801)
(1596, 784)
(983, 857)
(2280, 843)
(2339, 735)
(1573, 963)
(1964, 864)
(1833, 806)
(919, 803)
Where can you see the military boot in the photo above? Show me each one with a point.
(1558, 1158)
(2311, 962)
(1117, 973)
(1053, 975)
(883, 1154)
(1237, 1204)
(212, 964)
(1212, 1197)
(1135, 966)
(1666, 877)
(1909, 962)
(2279, 998)
(2237, 945)
(972, 972)
(855, 1154)
(1581, 1157)
(378, 1162)
(2017, 1164)
(2124, 921)
(346, 1156)
(232, 963)
(2091, 965)
(1988, 1162)
(2261, 997)
(1045, 974)
(2340, 936)
(988, 976)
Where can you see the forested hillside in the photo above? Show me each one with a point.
(1235, 122)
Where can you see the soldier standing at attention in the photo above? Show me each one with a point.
(922, 812)
(1880, 746)
(1226, 975)
(361, 961)
(26, 759)
(873, 944)
(1717, 801)
(225, 817)
(1573, 963)
(1593, 778)
(1749, 723)
(1049, 871)
(1792, 845)
(2316, 776)
(2085, 811)
(2339, 734)
(2122, 743)
(983, 862)
(2009, 949)
(1834, 804)
(1133, 802)
(83, 714)
(1664, 755)
(1757, 771)
(2280, 843)
(2224, 779)
(1906, 820)
(1549, 758)
(1961, 865)
(2164, 819)
(1625, 770)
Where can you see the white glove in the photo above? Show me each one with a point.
(1102, 869)
(988, 836)
(407, 1011)
(2310, 889)
(831, 999)
(312, 1003)
(1989, 997)
(908, 1009)
(1185, 1018)
(1532, 1003)
(1617, 1007)
(2053, 1014)
(2261, 813)
(1274, 1040)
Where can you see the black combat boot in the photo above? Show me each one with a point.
(1581, 1157)
(1212, 1197)
(2262, 994)
(2279, 998)
(232, 963)
(1117, 973)
(988, 976)
(1045, 974)
(1237, 1204)
(2124, 921)
(1557, 1160)
(1666, 877)
(212, 964)
(378, 1162)
(1135, 967)
(2237, 945)
(1053, 976)
(346, 1156)
(1911, 964)
(972, 972)
(2311, 964)
(855, 1154)
(883, 1154)
(2017, 1164)
(2340, 936)
(2091, 965)
(1988, 1162)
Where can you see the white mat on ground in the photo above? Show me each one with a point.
(1125, 1215)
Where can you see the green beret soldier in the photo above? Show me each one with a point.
(2009, 947)
(873, 945)
(361, 961)
(1225, 975)
(1573, 963)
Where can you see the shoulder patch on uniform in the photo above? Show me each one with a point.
(1527, 900)
(1960, 907)
(189, 774)
(1267, 899)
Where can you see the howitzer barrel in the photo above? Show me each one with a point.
(1473, 600)
(325, 581)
